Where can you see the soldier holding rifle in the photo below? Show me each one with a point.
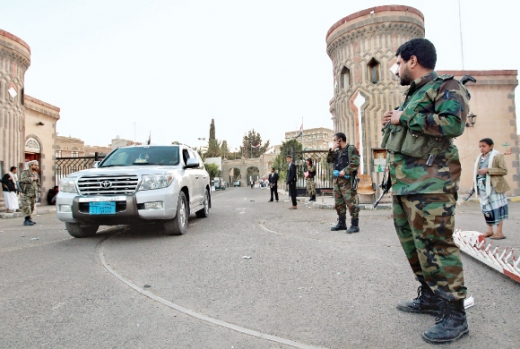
(345, 158)
(424, 169)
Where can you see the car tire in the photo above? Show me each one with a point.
(81, 231)
(179, 225)
(205, 211)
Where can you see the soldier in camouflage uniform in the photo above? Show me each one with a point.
(425, 170)
(346, 162)
(311, 186)
(30, 183)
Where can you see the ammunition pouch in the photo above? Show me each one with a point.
(420, 145)
(399, 139)
(393, 137)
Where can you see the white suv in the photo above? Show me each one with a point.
(134, 185)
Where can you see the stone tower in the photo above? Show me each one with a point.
(362, 48)
(15, 58)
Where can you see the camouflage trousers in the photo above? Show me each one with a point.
(424, 225)
(345, 197)
(311, 186)
(28, 204)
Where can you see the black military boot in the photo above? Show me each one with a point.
(354, 228)
(425, 303)
(450, 326)
(28, 222)
(313, 198)
(340, 226)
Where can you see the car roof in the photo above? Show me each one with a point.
(157, 145)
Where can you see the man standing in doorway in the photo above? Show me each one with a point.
(345, 158)
(30, 183)
(291, 181)
(273, 184)
(425, 170)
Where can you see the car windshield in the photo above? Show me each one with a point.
(149, 155)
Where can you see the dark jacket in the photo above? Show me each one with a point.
(291, 173)
(50, 195)
(8, 183)
(273, 178)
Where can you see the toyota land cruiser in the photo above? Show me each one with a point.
(136, 184)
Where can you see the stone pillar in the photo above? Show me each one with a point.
(362, 48)
(15, 58)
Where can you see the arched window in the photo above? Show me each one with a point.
(344, 80)
(373, 71)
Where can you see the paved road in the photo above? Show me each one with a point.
(252, 275)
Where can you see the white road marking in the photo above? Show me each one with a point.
(194, 314)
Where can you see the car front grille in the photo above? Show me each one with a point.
(107, 185)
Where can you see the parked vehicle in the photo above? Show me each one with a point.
(236, 183)
(219, 183)
(136, 184)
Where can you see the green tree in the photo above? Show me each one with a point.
(212, 170)
(212, 130)
(236, 174)
(291, 147)
(214, 149)
(252, 145)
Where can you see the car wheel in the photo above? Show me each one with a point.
(81, 231)
(205, 211)
(178, 225)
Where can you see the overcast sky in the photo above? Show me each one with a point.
(129, 67)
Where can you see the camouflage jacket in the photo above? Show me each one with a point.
(437, 107)
(30, 187)
(351, 153)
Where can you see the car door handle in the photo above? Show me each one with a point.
(196, 177)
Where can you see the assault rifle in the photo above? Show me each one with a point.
(386, 184)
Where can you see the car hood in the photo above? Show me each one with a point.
(124, 171)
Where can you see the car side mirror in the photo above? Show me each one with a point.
(192, 162)
(96, 164)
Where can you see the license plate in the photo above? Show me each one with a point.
(102, 207)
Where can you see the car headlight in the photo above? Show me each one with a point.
(151, 182)
(68, 185)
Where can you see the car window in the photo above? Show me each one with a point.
(185, 156)
(163, 156)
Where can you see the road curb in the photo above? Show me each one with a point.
(37, 211)
(329, 203)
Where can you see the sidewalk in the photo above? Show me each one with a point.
(40, 209)
(327, 202)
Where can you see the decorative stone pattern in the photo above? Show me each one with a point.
(27, 125)
(32, 145)
(365, 44)
(15, 58)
